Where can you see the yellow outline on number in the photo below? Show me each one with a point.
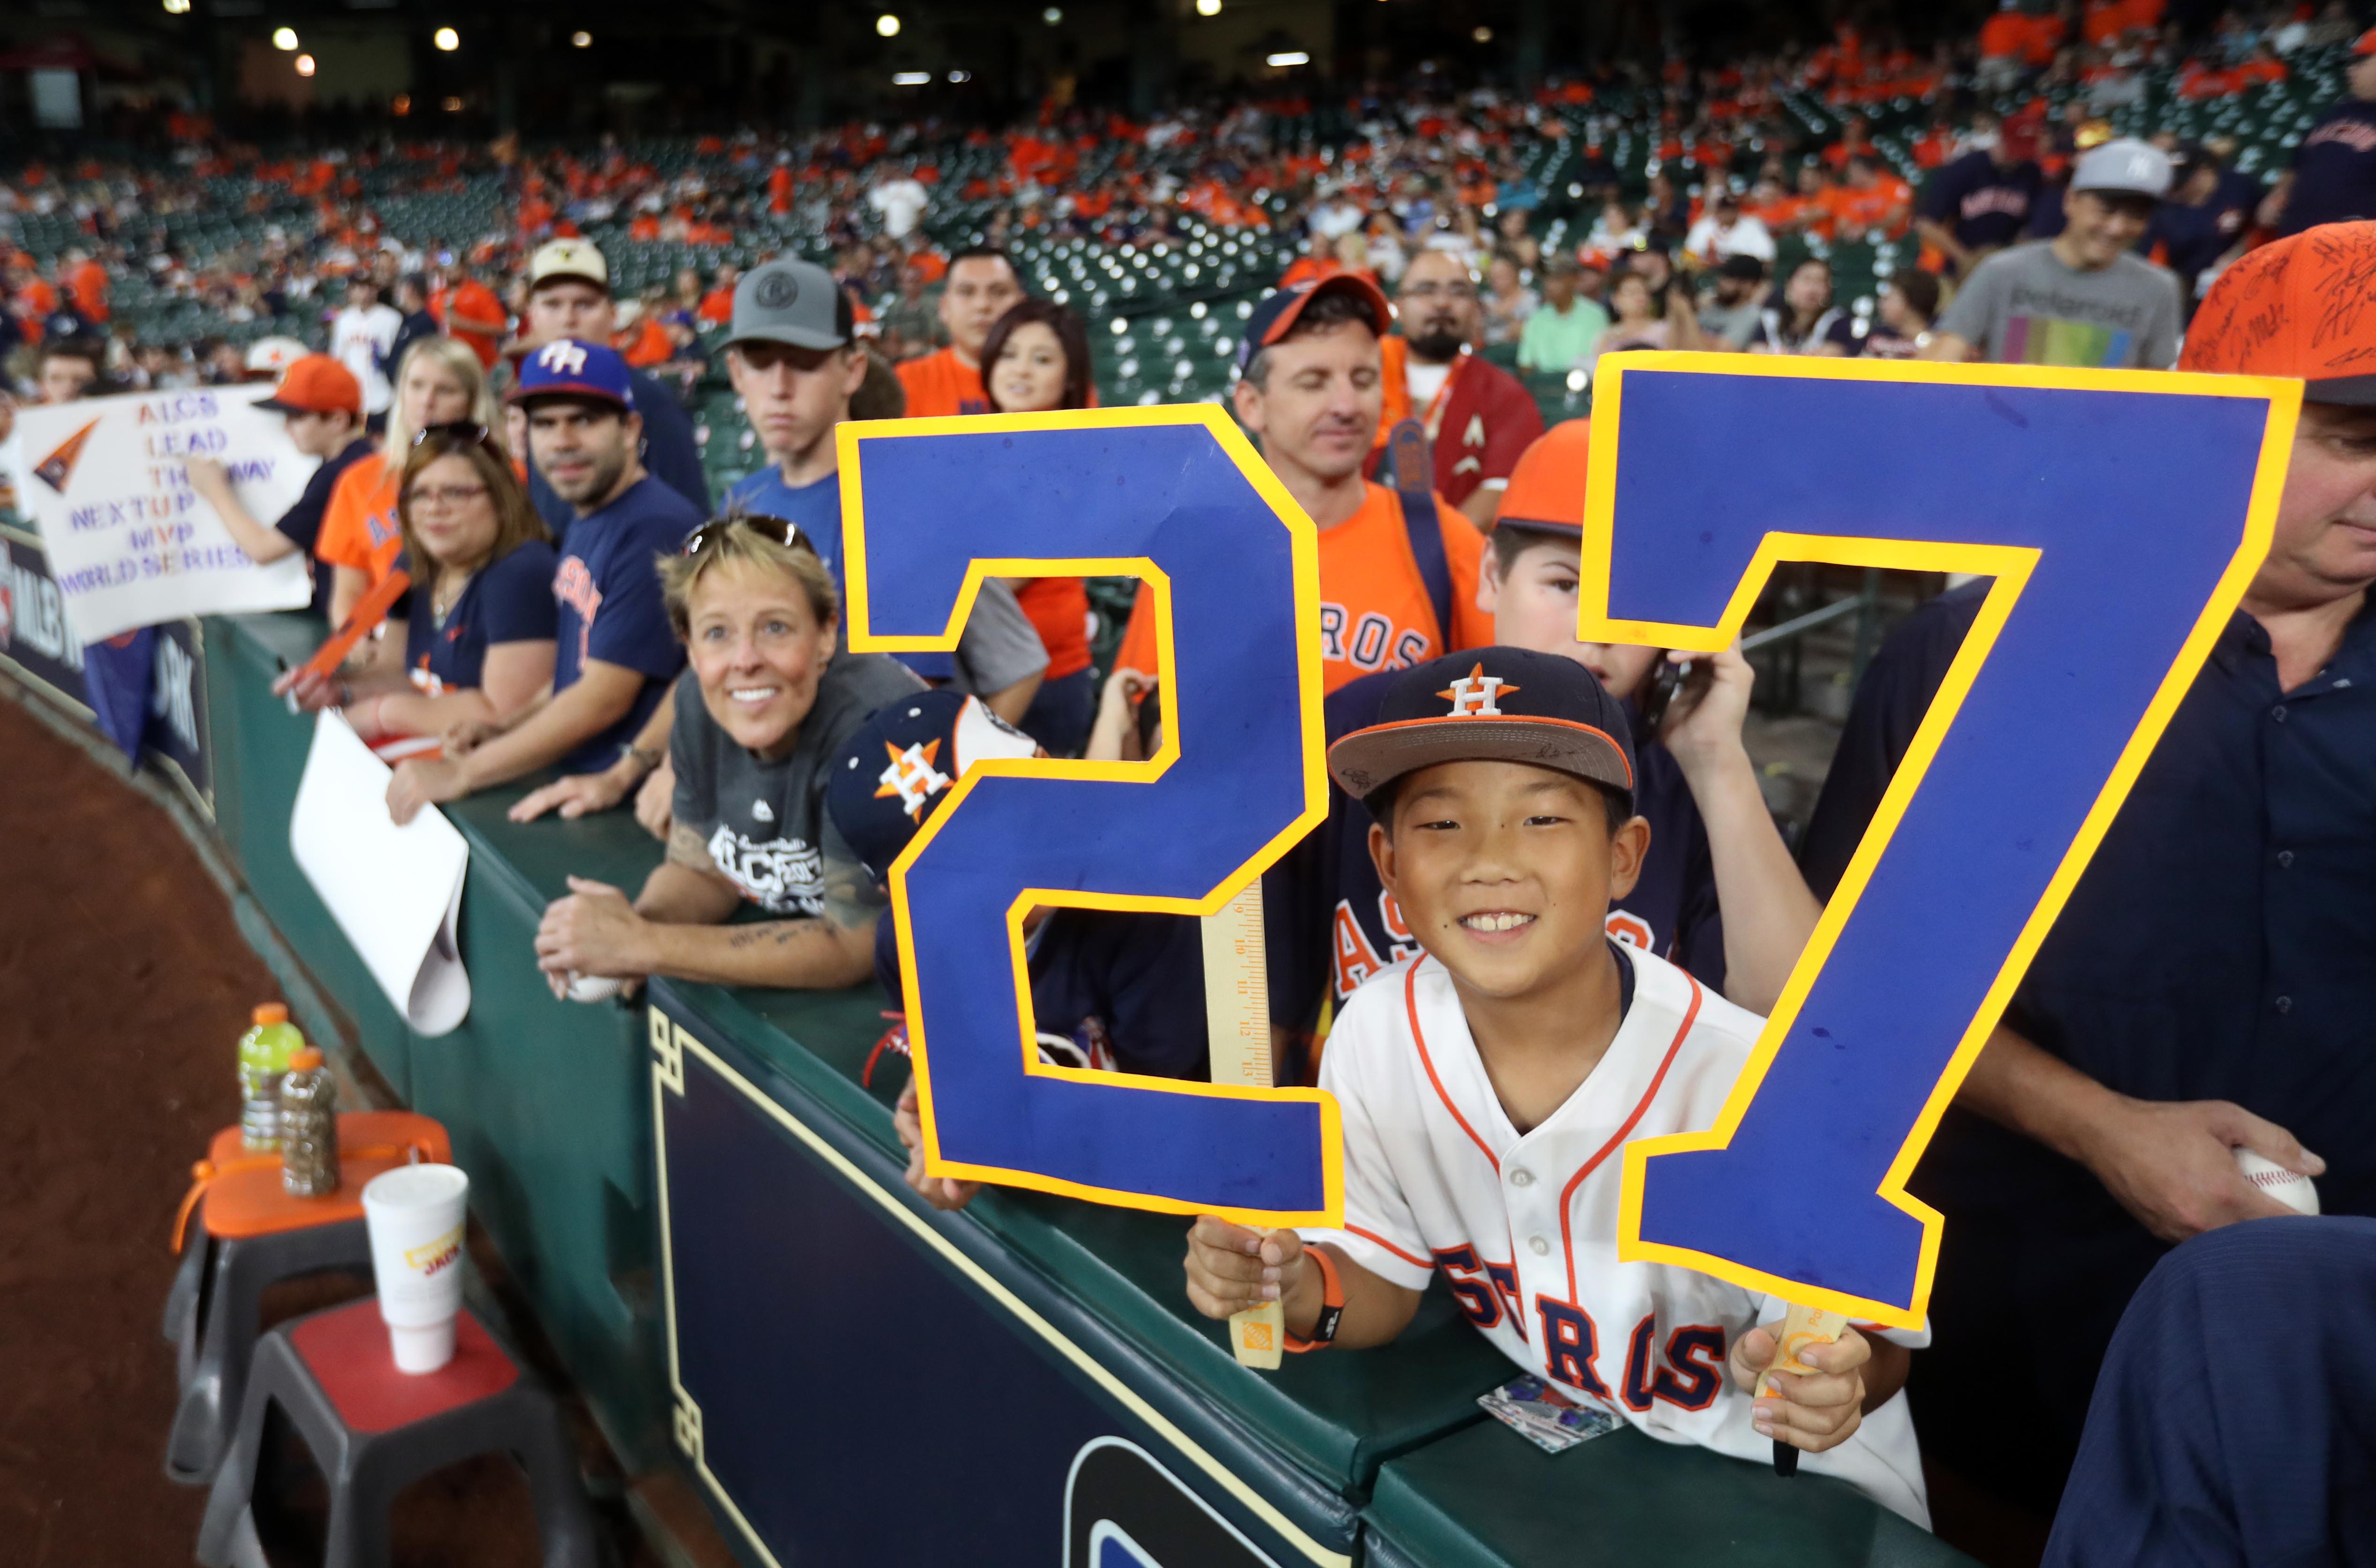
(1304, 546)
(2011, 566)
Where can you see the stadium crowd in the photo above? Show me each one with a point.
(503, 415)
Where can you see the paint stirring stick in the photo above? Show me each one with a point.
(1803, 1326)
(1237, 1032)
(368, 613)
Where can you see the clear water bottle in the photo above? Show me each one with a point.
(309, 1127)
(263, 1054)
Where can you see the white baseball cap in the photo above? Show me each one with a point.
(2123, 167)
(272, 356)
(568, 258)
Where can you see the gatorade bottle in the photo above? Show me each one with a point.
(309, 1128)
(263, 1054)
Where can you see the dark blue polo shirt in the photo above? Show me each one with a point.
(1980, 203)
(2222, 944)
(606, 590)
(1328, 926)
(2334, 170)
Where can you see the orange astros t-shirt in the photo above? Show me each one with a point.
(1374, 612)
(940, 383)
(359, 526)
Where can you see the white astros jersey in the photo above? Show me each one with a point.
(1524, 1228)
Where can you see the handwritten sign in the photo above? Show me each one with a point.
(106, 483)
(1177, 497)
(2121, 515)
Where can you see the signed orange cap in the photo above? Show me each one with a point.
(2304, 306)
(1547, 487)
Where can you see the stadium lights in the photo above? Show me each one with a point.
(403, 104)
(453, 105)
(1051, 16)
(1208, 7)
(284, 39)
(888, 25)
(581, 41)
(446, 39)
(177, 7)
(911, 78)
(1483, 35)
(1292, 57)
(960, 75)
(304, 64)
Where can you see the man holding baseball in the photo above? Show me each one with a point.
(2209, 989)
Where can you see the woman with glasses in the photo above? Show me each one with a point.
(479, 646)
(762, 712)
(439, 382)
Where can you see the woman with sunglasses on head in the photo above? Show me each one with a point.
(762, 712)
(479, 646)
(439, 382)
(1036, 360)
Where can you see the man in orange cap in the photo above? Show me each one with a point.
(2334, 177)
(1717, 892)
(2209, 987)
(324, 404)
(1398, 577)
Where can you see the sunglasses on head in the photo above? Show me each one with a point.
(783, 531)
(459, 432)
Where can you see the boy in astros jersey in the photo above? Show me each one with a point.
(1488, 1085)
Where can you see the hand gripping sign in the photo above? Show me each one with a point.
(2122, 515)
(1176, 497)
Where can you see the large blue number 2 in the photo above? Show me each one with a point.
(1175, 497)
(2121, 515)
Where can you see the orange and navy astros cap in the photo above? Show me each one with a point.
(316, 384)
(1490, 705)
(2302, 306)
(1276, 316)
(1546, 490)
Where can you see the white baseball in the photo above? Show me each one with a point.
(2288, 1187)
(593, 988)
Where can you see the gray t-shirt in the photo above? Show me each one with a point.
(765, 823)
(1733, 326)
(2024, 306)
(999, 645)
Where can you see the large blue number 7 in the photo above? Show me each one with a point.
(1178, 497)
(2121, 515)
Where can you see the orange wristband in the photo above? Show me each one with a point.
(1332, 1306)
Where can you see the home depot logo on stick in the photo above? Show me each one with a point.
(433, 1258)
(54, 469)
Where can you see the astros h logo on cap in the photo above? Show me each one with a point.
(911, 778)
(1490, 705)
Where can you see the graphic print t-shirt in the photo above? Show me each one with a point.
(2024, 306)
(765, 823)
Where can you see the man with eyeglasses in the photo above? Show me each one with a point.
(616, 652)
(1479, 418)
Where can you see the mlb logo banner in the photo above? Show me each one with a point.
(129, 543)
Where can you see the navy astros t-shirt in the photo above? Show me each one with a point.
(1328, 926)
(508, 600)
(607, 591)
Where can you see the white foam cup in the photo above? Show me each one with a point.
(415, 1216)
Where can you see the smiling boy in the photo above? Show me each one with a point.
(1487, 1087)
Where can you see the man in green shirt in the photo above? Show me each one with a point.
(1560, 335)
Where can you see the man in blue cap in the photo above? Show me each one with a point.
(617, 652)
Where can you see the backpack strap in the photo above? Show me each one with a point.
(1414, 469)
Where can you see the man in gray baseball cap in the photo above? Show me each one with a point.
(2084, 297)
(792, 356)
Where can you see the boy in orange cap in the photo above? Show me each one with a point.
(324, 404)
